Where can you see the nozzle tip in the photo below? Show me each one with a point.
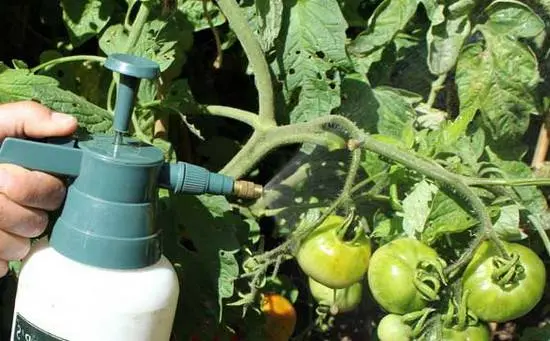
(247, 190)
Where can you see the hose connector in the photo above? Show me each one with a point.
(183, 177)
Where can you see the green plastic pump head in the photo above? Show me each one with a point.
(109, 216)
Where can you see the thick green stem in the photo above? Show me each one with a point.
(236, 114)
(79, 58)
(256, 58)
(137, 26)
(506, 182)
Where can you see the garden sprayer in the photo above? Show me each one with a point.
(102, 276)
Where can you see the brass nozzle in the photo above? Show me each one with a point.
(247, 190)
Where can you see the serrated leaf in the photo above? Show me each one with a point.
(84, 19)
(312, 51)
(498, 80)
(445, 41)
(229, 270)
(507, 224)
(388, 19)
(17, 85)
(416, 207)
(513, 18)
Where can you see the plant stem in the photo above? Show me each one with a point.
(237, 114)
(435, 87)
(264, 141)
(442, 176)
(137, 26)
(68, 59)
(301, 233)
(256, 58)
(506, 182)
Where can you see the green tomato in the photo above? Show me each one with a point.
(331, 261)
(492, 302)
(473, 333)
(392, 271)
(344, 300)
(392, 328)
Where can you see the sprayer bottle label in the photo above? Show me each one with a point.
(26, 331)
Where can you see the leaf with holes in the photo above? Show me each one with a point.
(84, 19)
(498, 79)
(200, 239)
(17, 85)
(312, 52)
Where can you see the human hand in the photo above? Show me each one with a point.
(26, 195)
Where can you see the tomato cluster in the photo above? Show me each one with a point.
(407, 279)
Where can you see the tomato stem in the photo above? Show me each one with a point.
(256, 58)
(69, 59)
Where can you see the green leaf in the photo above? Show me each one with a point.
(446, 216)
(313, 49)
(445, 41)
(416, 207)
(498, 80)
(192, 11)
(17, 85)
(396, 115)
(513, 18)
(388, 19)
(530, 197)
(507, 224)
(383, 110)
(84, 19)
(200, 240)
(270, 16)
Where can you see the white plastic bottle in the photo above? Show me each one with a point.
(78, 302)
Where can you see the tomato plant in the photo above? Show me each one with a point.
(427, 119)
(339, 300)
(332, 261)
(396, 279)
(504, 289)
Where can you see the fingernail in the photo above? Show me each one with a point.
(62, 118)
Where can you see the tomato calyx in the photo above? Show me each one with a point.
(417, 320)
(429, 278)
(458, 316)
(346, 234)
(507, 271)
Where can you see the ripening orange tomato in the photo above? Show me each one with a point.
(280, 317)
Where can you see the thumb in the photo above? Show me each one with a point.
(31, 119)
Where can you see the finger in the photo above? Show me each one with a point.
(3, 268)
(21, 221)
(13, 247)
(31, 119)
(31, 188)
